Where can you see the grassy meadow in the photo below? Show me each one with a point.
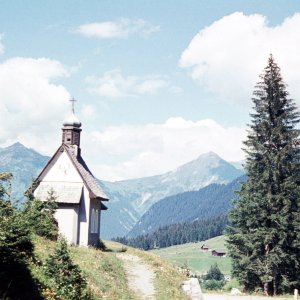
(105, 273)
(191, 255)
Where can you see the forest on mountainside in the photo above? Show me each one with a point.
(177, 234)
(204, 204)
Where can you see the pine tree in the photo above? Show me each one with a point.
(214, 273)
(214, 279)
(264, 238)
(39, 216)
(5, 186)
(66, 276)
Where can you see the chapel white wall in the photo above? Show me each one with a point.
(67, 219)
(84, 220)
(94, 235)
(63, 171)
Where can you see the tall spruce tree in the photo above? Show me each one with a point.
(265, 237)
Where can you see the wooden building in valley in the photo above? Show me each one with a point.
(220, 253)
(205, 247)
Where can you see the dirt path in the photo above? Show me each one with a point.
(140, 276)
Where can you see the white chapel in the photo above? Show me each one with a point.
(77, 192)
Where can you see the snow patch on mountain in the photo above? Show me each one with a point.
(144, 197)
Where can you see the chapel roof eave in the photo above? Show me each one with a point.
(93, 196)
(103, 207)
(95, 192)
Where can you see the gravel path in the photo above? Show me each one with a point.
(140, 276)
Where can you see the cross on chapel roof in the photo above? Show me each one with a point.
(72, 119)
(72, 103)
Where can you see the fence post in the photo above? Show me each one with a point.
(295, 294)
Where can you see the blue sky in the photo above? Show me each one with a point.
(157, 82)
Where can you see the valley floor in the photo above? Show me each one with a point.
(190, 255)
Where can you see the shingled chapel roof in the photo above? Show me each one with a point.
(90, 181)
(86, 174)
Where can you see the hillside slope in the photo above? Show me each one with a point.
(206, 203)
(130, 199)
(105, 272)
(24, 164)
(190, 254)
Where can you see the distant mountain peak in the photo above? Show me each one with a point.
(209, 154)
(24, 163)
(17, 145)
(138, 195)
(206, 160)
(19, 149)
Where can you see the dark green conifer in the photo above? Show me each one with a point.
(16, 249)
(66, 277)
(264, 239)
(39, 216)
(214, 273)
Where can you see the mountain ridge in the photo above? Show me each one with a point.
(206, 203)
(24, 163)
(129, 199)
(138, 195)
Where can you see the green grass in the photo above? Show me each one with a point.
(105, 273)
(191, 255)
(168, 280)
(103, 270)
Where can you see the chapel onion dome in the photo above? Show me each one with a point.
(72, 120)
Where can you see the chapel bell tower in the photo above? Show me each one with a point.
(71, 129)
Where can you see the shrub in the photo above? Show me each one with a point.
(102, 246)
(213, 284)
(214, 279)
(123, 249)
(214, 273)
(16, 249)
(66, 277)
(40, 216)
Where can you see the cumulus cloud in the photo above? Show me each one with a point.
(227, 56)
(138, 151)
(113, 84)
(117, 29)
(88, 111)
(32, 106)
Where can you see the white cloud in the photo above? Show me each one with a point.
(118, 29)
(227, 56)
(88, 111)
(113, 84)
(137, 151)
(1, 44)
(32, 106)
